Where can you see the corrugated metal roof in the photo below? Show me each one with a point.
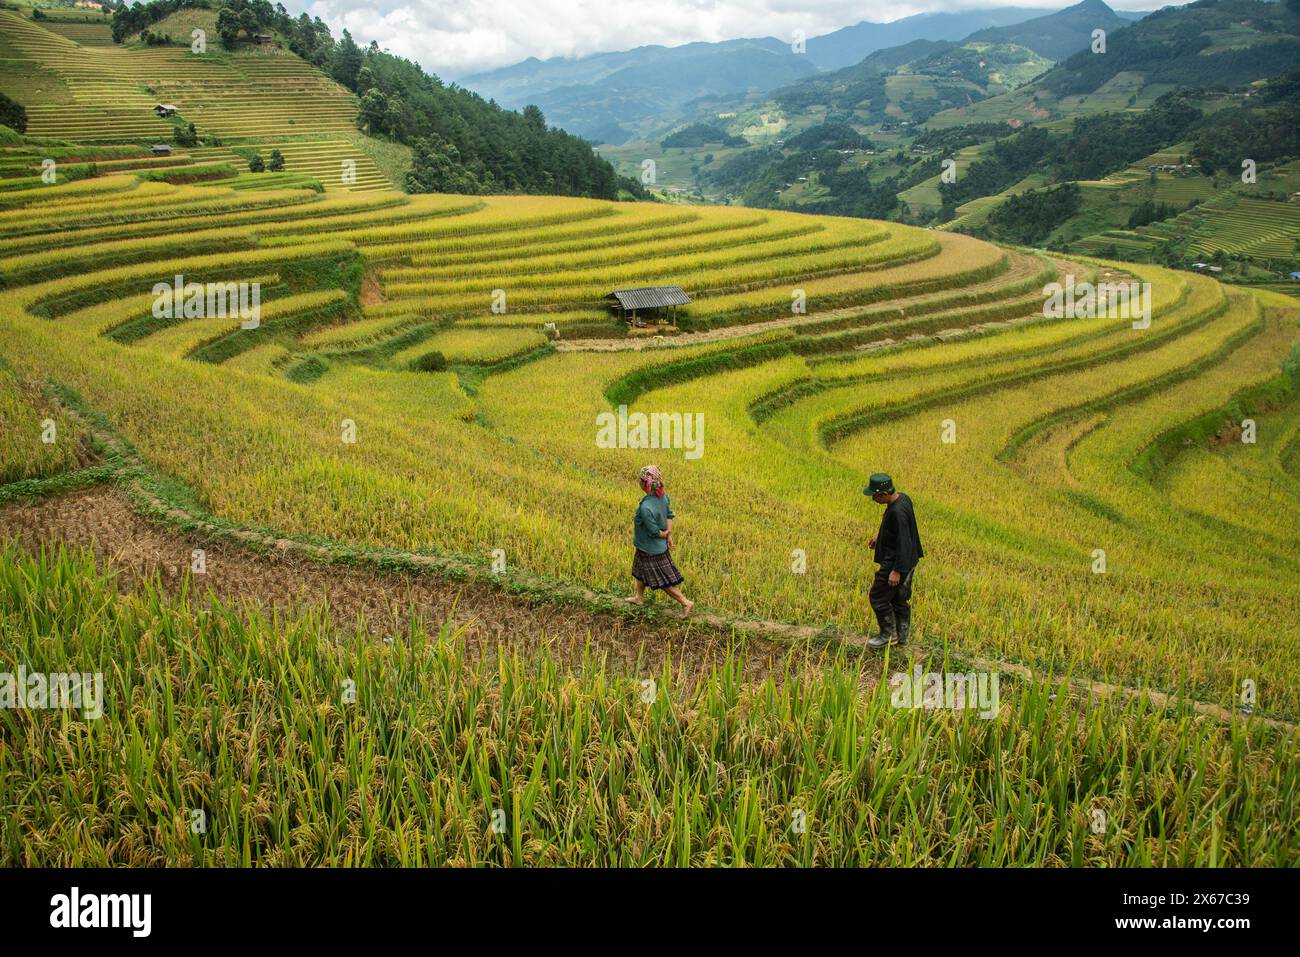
(650, 297)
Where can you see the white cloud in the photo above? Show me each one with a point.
(454, 38)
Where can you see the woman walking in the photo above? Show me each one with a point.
(652, 534)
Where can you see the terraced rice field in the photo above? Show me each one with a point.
(1233, 223)
(798, 405)
(1180, 190)
(1126, 242)
(258, 99)
(89, 33)
(1174, 188)
(817, 350)
(335, 164)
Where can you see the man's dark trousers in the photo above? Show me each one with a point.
(885, 597)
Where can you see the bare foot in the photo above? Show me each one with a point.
(634, 601)
(686, 609)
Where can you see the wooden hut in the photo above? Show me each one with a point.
(659, 303)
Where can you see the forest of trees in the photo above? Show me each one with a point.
(1105, 142)
(463, 139)
(702, 134)
(833, 135)
(1265, 133)
(852, 194)
(1149, 211)
(744, 169)
(757, 176)
(1010, 160)
(1029, 218)
(1095, 145)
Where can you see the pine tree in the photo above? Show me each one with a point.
(347, 62)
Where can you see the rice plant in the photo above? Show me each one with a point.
(231, 739)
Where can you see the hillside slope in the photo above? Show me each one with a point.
(1211, 44)
(886, 96)
(352, 118)
(606, 96)
(1058, 35)
(849, 45)
(916, 80)
(870, 139)
(258, 98)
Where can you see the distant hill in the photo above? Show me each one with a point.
(912, 82)
(849, 45)
(701, 134)
(603, 97)
(868, 139)
(515, 83)
(1210, 44)
(907, 84)
(1056, 35)
(613, 97)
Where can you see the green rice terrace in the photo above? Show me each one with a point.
(1200, 215)
(255, 99)
(1236, 224)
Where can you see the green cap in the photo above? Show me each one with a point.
(880, 482)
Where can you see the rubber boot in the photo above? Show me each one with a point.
(888, 634)
(903, 616)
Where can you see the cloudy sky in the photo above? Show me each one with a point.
(454, 38)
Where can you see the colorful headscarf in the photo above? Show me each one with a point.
(652, 480)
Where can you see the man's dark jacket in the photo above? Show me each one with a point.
(898, 544)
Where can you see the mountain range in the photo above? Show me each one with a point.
(604, 96)
(612, 97)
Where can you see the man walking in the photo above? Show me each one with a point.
(898, 548)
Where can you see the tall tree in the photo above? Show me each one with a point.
(347, 61)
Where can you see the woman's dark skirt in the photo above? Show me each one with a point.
(655, 571)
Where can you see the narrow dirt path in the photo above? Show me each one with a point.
(381, 603)
(285, 579)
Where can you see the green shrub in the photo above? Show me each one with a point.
(433, 361)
